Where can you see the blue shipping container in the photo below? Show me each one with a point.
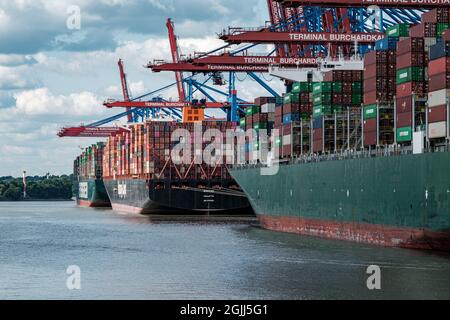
(291, 117)
(318, 123)
(385, 44)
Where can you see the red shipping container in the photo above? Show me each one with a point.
(318, 146)
(370, 138)
(407, 89)
(411, 59)
(436, 15)
(288, 108)
(370, 58)
(439, 66)
(413, 44)
(370, 71)
(439, 82)
(317, 134)
(422, 30)
(404, 104)
(328, 76)
(404, 119)
(370, 125)
(437, 114)
(370, 97)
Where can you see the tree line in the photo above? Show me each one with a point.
(38, 188)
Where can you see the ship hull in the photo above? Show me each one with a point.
(91, 193)
(401, 201)
(150, 197)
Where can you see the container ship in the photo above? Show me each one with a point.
(89, 189)
(364, 154)
(141, 177)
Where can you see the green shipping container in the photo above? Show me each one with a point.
(303, 86)
(410, 74)
(357, 87)
(338, 108)
(370, 111)
(337, 86)
(357, 98)
(291, 98)
(321, 110)
(296, 87)
(317, 111)
(252, 110)
(322, 99)
(441, 27)
(322, 87)
(399, 30)
(404, 134)
(260, 125)
(242, 122)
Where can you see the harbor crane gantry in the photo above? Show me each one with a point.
(301, 30)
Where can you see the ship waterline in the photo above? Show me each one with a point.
(400, 201)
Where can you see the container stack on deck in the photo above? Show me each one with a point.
(379, 88)
(439, 83)
(336, 101)
(142, 153)
(412, 87)
(260, 116)
(294, 128)
(89, 165)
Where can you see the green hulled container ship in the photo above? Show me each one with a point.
(91, 193)
(396, 200)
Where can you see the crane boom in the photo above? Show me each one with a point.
(125, 92)
(162, 104)
(175, 59)
(266, 36)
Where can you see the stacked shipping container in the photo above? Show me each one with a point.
(144, 153)
(439, 83)
(89, 165)
(340, 91)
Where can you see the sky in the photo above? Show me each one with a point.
(54, 75)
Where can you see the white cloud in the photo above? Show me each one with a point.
(15, 78)
(14, 60)
(4, 19)
(15, 150)
(41, 101)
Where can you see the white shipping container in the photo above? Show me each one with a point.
(429, 42)
(287, 140)
(268, 108)
(437, 130)
(437, 98)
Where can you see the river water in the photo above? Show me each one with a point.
(135, 257)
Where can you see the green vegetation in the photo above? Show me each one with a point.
(38, 188)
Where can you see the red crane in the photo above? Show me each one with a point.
(239, 35)
(232, 64)
(175, 58)
(125, 92)
(90, 132)
(275, 13)
(164, 104)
